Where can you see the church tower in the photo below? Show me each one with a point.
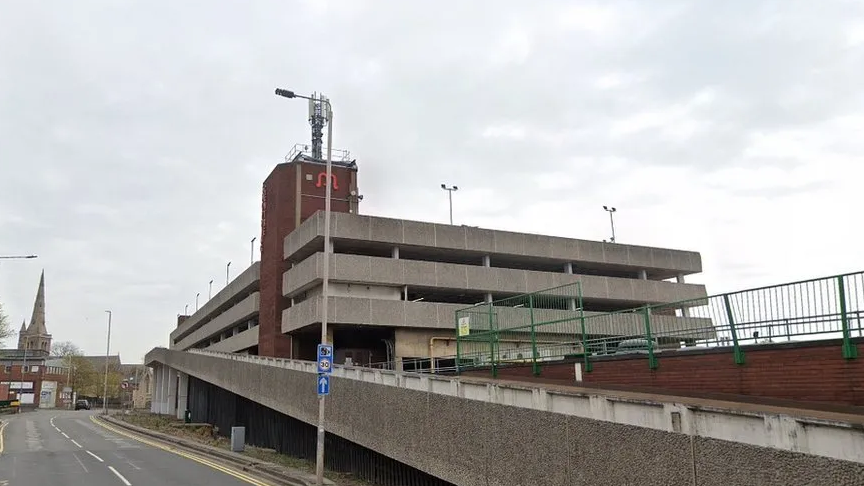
(35, 336)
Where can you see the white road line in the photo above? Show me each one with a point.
(94, 455)
(52, 421)
(58, 430)
(77, 444)
(64, 434)
(79, 462)
(127, 483)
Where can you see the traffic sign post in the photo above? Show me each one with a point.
(323, 385)
(325, 359)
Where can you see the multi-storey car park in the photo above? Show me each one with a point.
(395, 285)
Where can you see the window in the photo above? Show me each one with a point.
(34, 369)
(8, 369)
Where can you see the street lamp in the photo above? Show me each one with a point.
(196, 301)
(450, 193)
(227, 268)
(210, 290)
(611, 210)
(325, 280)
(252, 250)
(107, 352)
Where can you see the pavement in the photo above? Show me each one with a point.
(71, 448)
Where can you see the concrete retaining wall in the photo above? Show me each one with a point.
(471, 432)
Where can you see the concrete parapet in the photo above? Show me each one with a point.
(478, 432)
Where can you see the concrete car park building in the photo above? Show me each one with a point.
(395, 284)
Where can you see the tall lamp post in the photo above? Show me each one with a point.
(210, 290)
(252, 250)
(227, 269)
(107, 353)
(450, 191)
(611, 210)
(196, 301)
(325, 280)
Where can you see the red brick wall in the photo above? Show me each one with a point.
(813, 371)
(279, 204)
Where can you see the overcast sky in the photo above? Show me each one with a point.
(134, 136)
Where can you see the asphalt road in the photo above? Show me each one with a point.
(66, 448)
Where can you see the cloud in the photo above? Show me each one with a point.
(134, 137)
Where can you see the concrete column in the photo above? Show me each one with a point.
(487, 262)
(643, 275)
(396, 252)
(488, 298)
(568, 269)
(182, 394)
(684, 310)
(163, 391)
(172, 392)
(154, 397)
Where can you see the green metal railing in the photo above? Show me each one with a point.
(529, 328)
(540, 327)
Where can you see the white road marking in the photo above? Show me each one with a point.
(127, 483)
(79, 462)
(126, 460)
(64, 434)
(77, 444)
(94, 455)
(52, 421)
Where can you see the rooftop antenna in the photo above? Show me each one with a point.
(317, 118)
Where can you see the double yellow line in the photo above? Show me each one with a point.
(192, 457)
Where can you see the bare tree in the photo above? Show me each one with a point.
(65, 349)
(6, 330)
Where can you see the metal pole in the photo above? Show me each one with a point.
(21, 385)
(196, 301)
(252, 251)
(107, 352)
(210, 290)
(611, 210)
(612, 222)
(69, 378)
(325, 290)
(227, 268)
(450, 193)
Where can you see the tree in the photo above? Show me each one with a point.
(6, 330)
(65, 349)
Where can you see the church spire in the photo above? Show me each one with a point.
(23, 327)
(37, 321)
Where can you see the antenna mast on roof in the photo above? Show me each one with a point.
(317, 118)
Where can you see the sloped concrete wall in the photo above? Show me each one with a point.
(474, 442)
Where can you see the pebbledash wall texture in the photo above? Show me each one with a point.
(292, 193)
(469, 442)
(802, 371)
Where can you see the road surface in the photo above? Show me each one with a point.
(66, 448)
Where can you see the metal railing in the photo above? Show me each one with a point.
(815, 309)
(530, 328)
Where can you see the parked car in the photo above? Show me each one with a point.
(82, 405)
